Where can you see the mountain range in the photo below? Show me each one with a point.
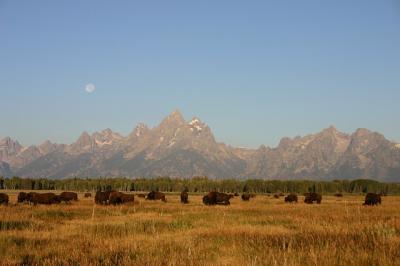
(180, 148)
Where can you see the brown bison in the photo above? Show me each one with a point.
(311, 197)
(102, 197)
(22, 197)
(3, 198)
(67, 197)
(44, 198)
(276, 196)
(184, 197)
(291, 198)
(155, 195)
(372, 199)
(120, 198)
(213, 198)
(25, 197)
(246, 197)
(87, 195)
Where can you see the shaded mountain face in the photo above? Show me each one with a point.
(5, 169)
(181, 148)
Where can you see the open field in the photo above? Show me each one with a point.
(264, 231)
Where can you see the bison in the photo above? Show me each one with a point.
(372, 199)
(276, 196)
(25, 197)
(246, 197)
(311, 197)
(87, 195)
(155, 195)
(44, 198)
(213, 198)
(102, 197)
(184, 197)
(120, 198)
(68, 196)
(291, 198)
(22, 197)
(3, 198)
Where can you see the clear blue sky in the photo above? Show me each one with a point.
(255, 71)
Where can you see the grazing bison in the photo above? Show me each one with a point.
(155, 195)
(246, 197)
(372, 199)
(22, 197)
(184, 197)
(3, 198)
(213, 198)
(311, 197)
(291, 198)
(276, 196)
(120, 198)
(339, 195)
(88, 195)
(68, 196)
(25, 197)
(102, 197)
(44, 198)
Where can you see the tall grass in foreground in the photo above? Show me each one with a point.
(264, 231)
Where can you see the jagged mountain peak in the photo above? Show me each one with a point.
(140, 130)
(9, 142)
(47, 147)
(108, 134)
(284, 143)
(84, 135)
(107, 131)
(175, 118)
(363, 132)
(330, 130)
(9, 148)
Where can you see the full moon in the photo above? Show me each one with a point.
(90, 88)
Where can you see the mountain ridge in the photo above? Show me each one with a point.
(181, 148)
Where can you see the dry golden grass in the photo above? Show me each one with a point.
(264, 231)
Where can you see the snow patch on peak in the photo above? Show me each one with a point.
(194, 121)
(196, 124)
(172, 143)
(102, 143)
(140, 130)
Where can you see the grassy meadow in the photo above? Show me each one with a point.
(263, 231)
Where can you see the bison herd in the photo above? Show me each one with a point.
(46, 198)
(116, 198)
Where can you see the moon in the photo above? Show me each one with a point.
(90, 88)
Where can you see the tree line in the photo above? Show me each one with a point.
(200, 185)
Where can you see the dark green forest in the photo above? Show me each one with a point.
(200, 185)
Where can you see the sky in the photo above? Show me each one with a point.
(254, 71)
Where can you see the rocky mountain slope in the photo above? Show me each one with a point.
(182, 148)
